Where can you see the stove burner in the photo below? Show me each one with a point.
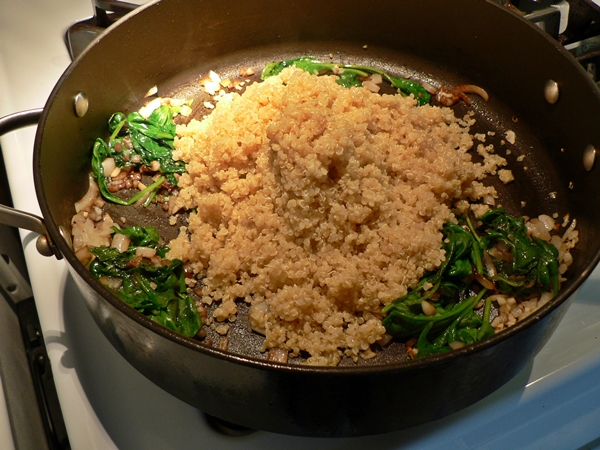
(581, 36)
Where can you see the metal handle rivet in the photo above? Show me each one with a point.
(551, 91)
(81, 104)
(43, 246)
(589, 157)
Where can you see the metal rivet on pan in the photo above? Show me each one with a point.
(81, 104)
(43, 246)
(589, 157)
(551, 91)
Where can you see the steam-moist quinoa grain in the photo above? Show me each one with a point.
(317, 205)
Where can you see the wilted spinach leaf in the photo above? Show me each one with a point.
(349, 75)
(156, 288)
(531, 268)
(150, 140)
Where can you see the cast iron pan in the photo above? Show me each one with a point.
(173, 43)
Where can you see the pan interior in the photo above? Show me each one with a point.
(528, 195)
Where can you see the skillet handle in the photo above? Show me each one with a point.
(103, 8)
(20, 219)
(106, 12)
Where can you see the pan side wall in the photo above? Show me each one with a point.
(318, 403)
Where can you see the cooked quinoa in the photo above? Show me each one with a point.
(317, 205)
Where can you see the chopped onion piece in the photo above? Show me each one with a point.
(145, 252)
(214, 76)
(147, 109)
(545, 298)
(186, 110)
(547, 221)
(473, 89)
(455, 345)
(429, 88)
(489, 264)
(257, 309)
(153, 90)
(111, 282)
(556, 241)
(120, 242)
(567, 258)
(499, 298)
(452, 96)
(539, 230)
(108, 166)
(87, 201)
(376, 78)
(373, 87)
(84, 255)
(385, 339)
(569, 230)
(489, 200)
(175, 101)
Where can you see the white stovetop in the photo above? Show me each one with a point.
(553, 403)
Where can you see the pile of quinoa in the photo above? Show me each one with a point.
(317, 205)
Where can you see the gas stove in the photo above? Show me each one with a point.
(106, 404)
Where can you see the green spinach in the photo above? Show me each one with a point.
(155, 288)
(349, 75)
(534, 264)
(151, 139)
(531, 266)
